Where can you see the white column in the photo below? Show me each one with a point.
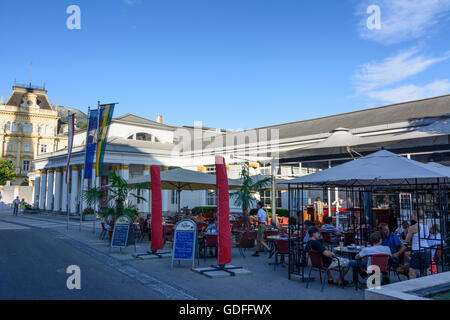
(50, 176)
(74, 196)
(95, 183)
(336, 197)
(43, 192)
(329, 195)
(124, 171)
(64, 196)
(37, 188)
(58, 186)
(84, 186)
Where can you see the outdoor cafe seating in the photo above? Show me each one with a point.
(210, 243)
(378, 188)
(317, 263)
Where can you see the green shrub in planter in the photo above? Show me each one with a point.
(204, 209)
(88, 211)
(280, 212)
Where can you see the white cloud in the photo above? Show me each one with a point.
(372, 76)
(403, 20)
(412, 92)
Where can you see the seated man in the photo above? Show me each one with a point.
(330, 260)
(363, 260)
(392, 241)
(335, 235)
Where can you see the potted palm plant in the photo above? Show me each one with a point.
(245, 196)
(120, 192)
(92, 196)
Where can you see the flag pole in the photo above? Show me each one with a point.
(96, 178)
(80, 198)
(67, 174)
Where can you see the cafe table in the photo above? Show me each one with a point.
(351, 252)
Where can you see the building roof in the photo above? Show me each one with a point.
(16, 97)
(411, 111)
(409, 114)
(133, 120)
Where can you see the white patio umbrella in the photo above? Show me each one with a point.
(379, 168)
(182, 179)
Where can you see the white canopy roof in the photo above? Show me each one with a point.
(379, 168)
(182, 179)
(340, 137)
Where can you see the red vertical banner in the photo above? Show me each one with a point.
(156, 225)
(223, 212)
(104, 187)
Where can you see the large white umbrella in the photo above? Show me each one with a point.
(182, 179)
(379, 168)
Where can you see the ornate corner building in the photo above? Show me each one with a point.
(29, 127)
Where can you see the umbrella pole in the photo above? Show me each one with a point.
(178, 200)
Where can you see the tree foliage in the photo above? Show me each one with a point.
(118, 187)
(92, 196)
(7, 171)
(245, 196)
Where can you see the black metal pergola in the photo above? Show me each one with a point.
(426, 200)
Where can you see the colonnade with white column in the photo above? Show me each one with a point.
(52, 193)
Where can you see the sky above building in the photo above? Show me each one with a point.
(232, 64)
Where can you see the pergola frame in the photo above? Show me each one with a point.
(429, 200)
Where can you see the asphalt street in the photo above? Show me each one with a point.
(33, 265)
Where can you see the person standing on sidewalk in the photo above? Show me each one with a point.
(262, 220)
(16, 204)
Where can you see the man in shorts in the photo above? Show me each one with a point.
(262, 220)
(330, 260)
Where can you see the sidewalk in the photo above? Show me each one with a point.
(263, 284)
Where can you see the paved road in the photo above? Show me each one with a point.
(33, 265)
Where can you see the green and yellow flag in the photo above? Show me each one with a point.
(105, 117)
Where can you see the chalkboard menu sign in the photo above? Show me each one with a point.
(121, 232)
(185, 241)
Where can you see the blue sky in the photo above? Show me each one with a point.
(232, 64)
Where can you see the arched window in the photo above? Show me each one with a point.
(143, 136)
(8, 126)
(14, 127)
